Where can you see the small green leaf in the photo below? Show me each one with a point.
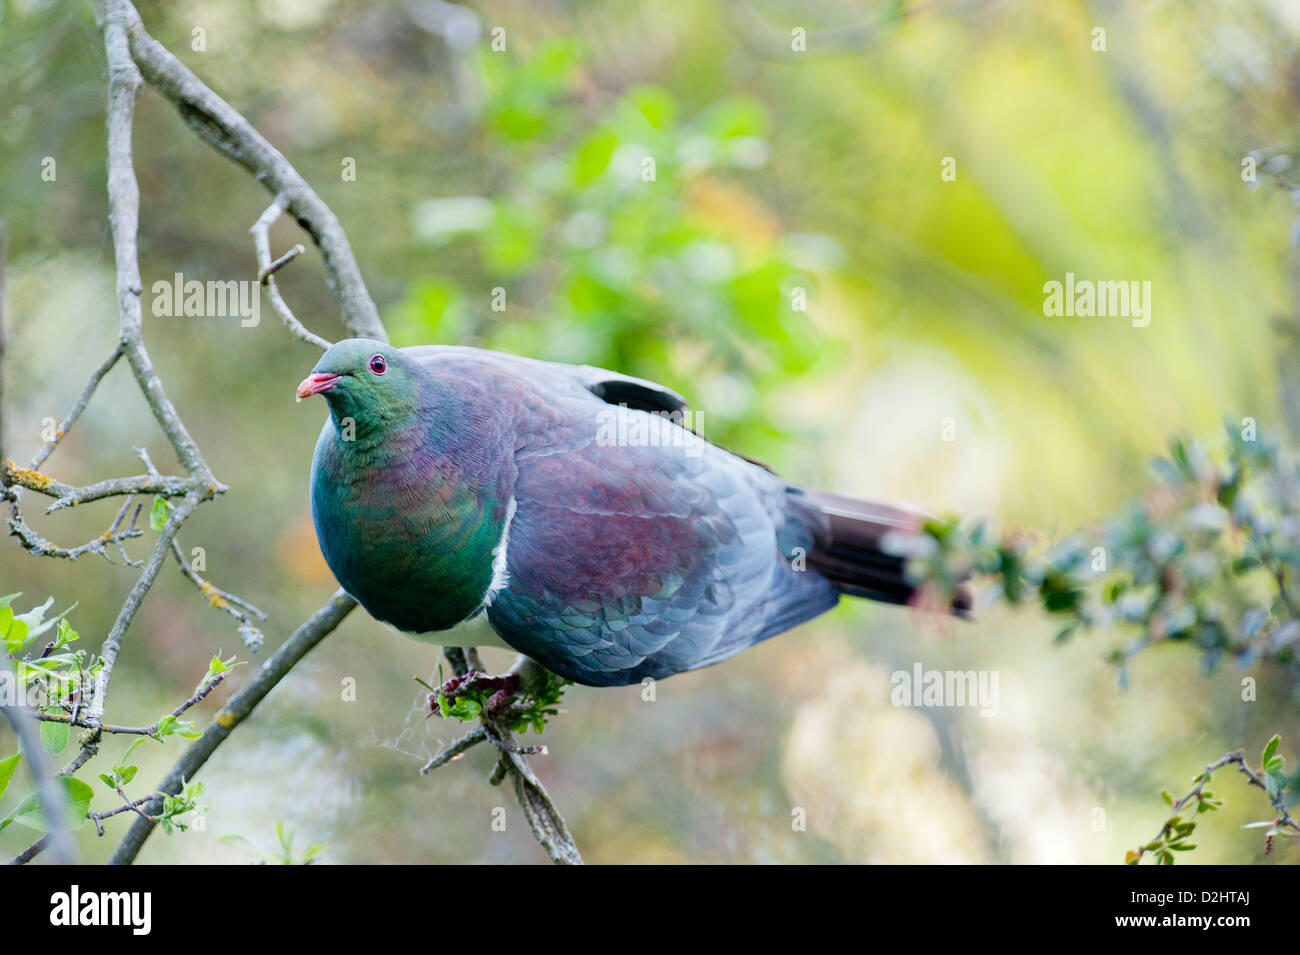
(54, 737)
(31, 813)
(159, 513)
(1270, 749)
(13, 631)
(7, 767)
(129, 750)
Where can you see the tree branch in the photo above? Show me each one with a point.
(544, 819)
(78, 407)
(220, 125)
(236, 606)
(152, 730)
(135, 57)
(266, 269)
(237, 709)
(66, 495)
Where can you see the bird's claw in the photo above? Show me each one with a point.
(503, 687)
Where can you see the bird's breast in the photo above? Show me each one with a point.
(411, 540)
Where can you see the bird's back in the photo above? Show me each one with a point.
(634, 548)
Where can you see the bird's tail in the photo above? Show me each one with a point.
(847, 546)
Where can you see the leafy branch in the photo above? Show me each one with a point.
(1173, 835)
(1208, 558)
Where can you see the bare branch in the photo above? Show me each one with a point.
(127, 806)
(548, 826)
(38, 546)
(237, 607)
(124, 213)
(31, 852)
(66, 495)
(219, 124)
(267, 269)
(113, 642)
(78, 407)
(265, 274)
(466, 742)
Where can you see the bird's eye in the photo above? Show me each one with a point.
(378, 365)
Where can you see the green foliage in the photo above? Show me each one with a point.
(76, 806)
(633, 233)
(1271, 777)
(55, 673)
(55, 736)
(171, 725)
(159, 513)
(7, 767)
(529, 710)
(283, 853)
(218, 666)
(1208, 558)
(64, 678)
(179, 805)
(18, 631)
(123, 772)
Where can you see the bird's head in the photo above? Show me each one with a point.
(368, 381)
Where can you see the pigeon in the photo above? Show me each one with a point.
(575, 509)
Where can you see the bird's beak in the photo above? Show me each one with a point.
(315, 383)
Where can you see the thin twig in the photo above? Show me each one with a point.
(38, 546)
(265, 274)
(469, 740)
(31, 852)
(152, 730)
(113, 642)
(78, 407)
(266, 269)
(544, 819)
(236, 606)
(128, 805)
(1237, 758)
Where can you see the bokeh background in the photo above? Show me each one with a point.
(775, 171)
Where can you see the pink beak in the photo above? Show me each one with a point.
(315, 383)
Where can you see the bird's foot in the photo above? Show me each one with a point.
(502, 690)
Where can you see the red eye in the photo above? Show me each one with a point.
(378, 365)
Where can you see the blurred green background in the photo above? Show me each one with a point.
(777, 174)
